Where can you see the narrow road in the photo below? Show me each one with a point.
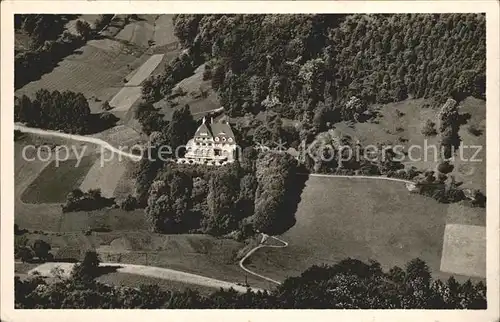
(83, 138)
(253, 250)
(46, 269)
(76, 137)
(357, 177)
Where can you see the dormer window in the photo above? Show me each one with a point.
(216, 139)
(223, 139)
(230, 140)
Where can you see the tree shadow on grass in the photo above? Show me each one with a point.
(39, 64)
(99, 122)
(106, 269)
(292, 199)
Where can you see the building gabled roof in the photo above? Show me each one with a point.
(220, 128)
(204, 128)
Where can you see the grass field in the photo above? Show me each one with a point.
(464, 250)
(24, 268)
(55, 182)
(115, 219)
(96, 69)
(404, 120)
(126, 184)
(133, 280)
(37, 216)
(197, 104)
(104, 175)
(131, 91)
(359, 218)
(156, 28)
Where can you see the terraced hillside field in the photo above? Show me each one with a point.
(102, 67)
(96, 69)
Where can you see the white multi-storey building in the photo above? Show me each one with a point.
(212, 144)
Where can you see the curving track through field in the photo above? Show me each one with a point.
(253, 250)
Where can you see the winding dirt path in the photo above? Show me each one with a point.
(253, 250)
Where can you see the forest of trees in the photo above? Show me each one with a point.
(296, 64)
(348, 284)
(257, 194)
(309, 67)
(67, 111)
(322, 69)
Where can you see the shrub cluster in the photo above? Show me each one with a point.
(78, 200)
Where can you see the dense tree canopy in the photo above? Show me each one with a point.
(291, 63)
(67, 111)
(276, 180)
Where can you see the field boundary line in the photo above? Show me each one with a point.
(357, 177)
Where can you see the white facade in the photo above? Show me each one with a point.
(212, 144)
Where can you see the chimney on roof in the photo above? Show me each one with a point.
(203, 121)
(211, 120)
